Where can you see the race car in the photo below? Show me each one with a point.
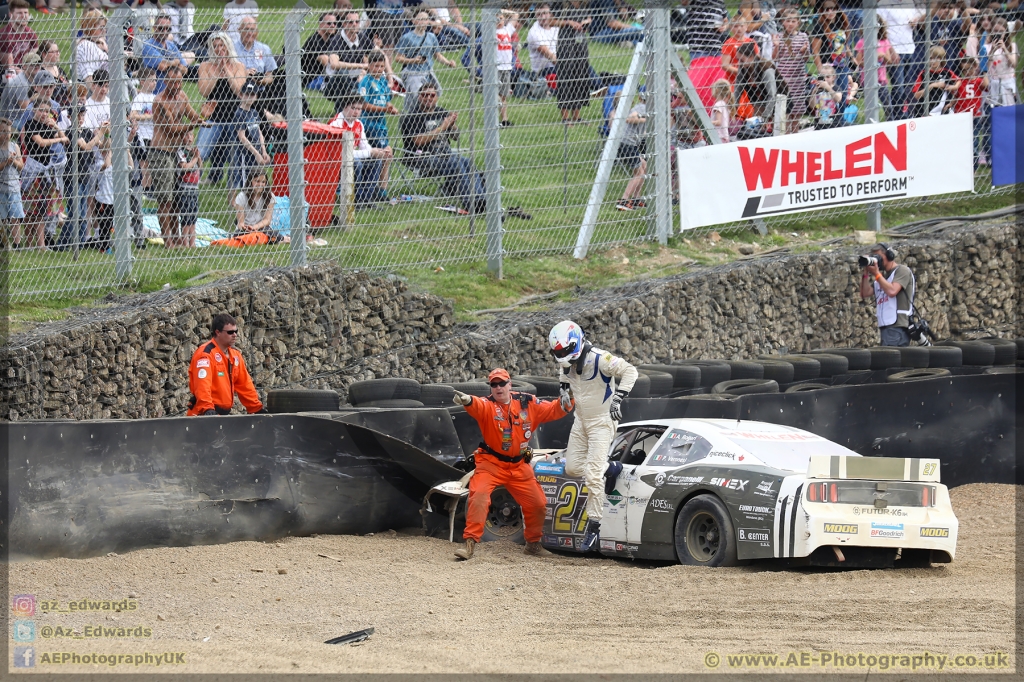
(715, 492)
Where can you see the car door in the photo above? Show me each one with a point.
(638, 492)
(613, 525)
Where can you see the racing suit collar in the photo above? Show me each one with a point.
(582, 359)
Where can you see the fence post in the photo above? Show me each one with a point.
(348, 179)
(119, 142)
(871, 108)
(492, 141)
(781, 124)
(296, 164)
(659, 90)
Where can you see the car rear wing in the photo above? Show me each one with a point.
(873, 468)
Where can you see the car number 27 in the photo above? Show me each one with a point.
(570, 515)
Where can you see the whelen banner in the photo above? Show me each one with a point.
(862, 164)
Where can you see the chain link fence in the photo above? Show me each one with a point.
(484, 133)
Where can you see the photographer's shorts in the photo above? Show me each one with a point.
(894, 336)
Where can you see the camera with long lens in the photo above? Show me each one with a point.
(865, 261)
(920, 331)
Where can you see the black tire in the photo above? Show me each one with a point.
(709, 396)
(1006, 350)
(397, 402)
(746, 387)
(523, 387)
(684, 377)
(1004, 369)
(830, 365)
(857, 358)
(884, 357)
(914, 356)
(642, 387)
(704, 535)
(436, 394)
(745, 369)
(974, 352)
(661, 382)
(499, 525)
(711, 371)
(1020, 348)
(945, 356)
(918, 375)
(804, 367)
(547, 387)
(391, 388)
(810, 386)
(477, 388)
(778, 370)
(283, 401)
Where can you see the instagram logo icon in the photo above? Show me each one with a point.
(23, 605)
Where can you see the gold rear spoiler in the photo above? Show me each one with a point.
(873, 468)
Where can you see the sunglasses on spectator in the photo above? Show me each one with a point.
(232, 332)
(499, 384)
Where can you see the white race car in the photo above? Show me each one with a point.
(717, 492)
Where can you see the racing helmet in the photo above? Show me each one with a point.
(566, 341)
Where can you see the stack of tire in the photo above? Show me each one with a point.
(387, 392)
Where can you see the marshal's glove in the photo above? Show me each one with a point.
(461, 398)
(615, 411)
(565, 396)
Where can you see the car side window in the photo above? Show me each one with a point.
(643, 443)
(679, 447)
(620, 446)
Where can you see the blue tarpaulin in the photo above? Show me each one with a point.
(1007, 145)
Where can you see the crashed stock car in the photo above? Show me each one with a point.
(716, 492)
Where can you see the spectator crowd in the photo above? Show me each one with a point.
(378, 66)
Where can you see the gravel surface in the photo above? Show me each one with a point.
(267, 607)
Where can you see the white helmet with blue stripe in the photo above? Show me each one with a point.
(566, 341)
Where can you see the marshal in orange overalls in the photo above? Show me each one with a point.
(507, 430)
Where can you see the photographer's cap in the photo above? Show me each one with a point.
(250, 88)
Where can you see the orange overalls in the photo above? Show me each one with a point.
(507, 430)
(214, 380)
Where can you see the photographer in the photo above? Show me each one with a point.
(893, 287)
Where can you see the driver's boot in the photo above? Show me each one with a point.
(467, 551)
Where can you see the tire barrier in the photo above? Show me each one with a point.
(711, 371)
(383, 389)
(684, 377)
(282, 401)
(856, 358)
(661, 382)
(745, 387)
(804, 367)
(778, 370)
(974, 352)
(87, 488)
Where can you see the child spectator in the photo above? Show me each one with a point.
(368, 159)
(38, 181)
(375, 89)
(970, 89)
(631, 153)
(1002, 65)
(255, 207)
(97, 107)
(104, 208)
(738, 36)
(721, 112)
(942, 84)
(84, 146)
(255, 211)
(186, 196)
(792, 49)
(886, 56)
(507, 47)
(828, 100)
(830, 35)
(142, 113)
(11, 163)
(251, 148)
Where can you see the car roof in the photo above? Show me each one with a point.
(784, 447)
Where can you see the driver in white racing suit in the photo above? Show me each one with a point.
(599, 381)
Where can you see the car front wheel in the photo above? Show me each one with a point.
(704, 535)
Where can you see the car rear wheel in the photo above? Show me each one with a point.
(704, 535)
